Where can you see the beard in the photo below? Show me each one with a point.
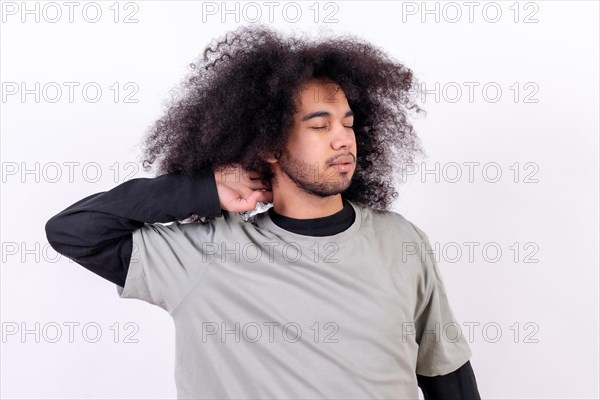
(310, 178)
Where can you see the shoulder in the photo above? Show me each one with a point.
(229, 224)
(392, 222)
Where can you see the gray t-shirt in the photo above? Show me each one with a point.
(261, 312)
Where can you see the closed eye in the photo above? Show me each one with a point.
(323, 127)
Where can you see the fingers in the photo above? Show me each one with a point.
(265, 196)
(249, 203)
(259, 187)
(240, 189)
(258, 196)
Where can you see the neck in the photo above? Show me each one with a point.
(301, 205)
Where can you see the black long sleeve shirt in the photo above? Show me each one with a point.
(96, 232)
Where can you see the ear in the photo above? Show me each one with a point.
(271, 158)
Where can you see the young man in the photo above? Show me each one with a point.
(319, 297)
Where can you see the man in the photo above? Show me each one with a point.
(319, 297)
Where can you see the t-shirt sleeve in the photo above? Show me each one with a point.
(165, 265)
(443, 348)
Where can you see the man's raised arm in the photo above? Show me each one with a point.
(96, 232)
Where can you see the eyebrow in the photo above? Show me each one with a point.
(316, 114)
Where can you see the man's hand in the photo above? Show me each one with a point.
(239, 189)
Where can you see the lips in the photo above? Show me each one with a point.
(343, 160)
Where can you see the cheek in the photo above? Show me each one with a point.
(307, 142)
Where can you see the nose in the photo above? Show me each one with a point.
(342, 137)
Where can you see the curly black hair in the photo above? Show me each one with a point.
(238, 101)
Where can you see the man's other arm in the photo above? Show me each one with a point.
(457, 385)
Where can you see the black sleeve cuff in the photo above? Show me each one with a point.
(457, 385)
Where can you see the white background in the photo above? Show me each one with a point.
(551, 211)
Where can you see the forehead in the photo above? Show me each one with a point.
(321, 92)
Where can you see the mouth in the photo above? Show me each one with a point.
(344, 160)
(342, 167)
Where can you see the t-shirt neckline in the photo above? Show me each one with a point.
(264, 221)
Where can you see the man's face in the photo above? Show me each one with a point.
(322, 133)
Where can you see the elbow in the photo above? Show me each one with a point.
(72, 235)
(53, 232)
(60, 236)
(51, 229)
